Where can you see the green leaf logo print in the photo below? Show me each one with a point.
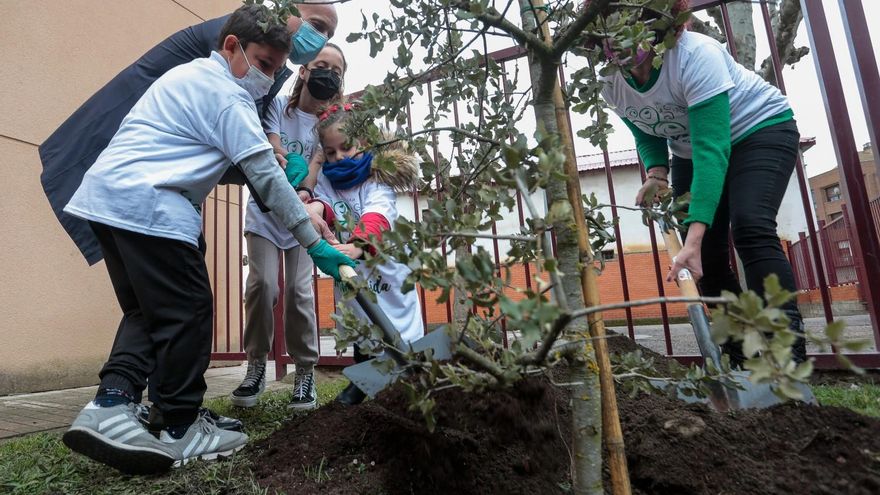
(293, 145)
(342, 212)
(665, 121)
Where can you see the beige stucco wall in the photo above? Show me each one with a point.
(57, 315)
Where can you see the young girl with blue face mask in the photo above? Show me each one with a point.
(362, 200)
(290, 127)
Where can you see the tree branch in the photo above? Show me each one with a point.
(559, 325)
(697, 25)
(788, 21)
(647, 302)
(519, 238)
(481, 362)
(574, 30)
(494, 19)
(452, 129)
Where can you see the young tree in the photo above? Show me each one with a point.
(493, 161)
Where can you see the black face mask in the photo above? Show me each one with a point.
(323, 84)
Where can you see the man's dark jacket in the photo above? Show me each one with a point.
(69, 152)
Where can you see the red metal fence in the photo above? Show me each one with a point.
(836, 253)
(863, 260)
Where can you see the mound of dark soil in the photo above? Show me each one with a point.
(505, 442)
(512, 442)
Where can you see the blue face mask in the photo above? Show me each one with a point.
(349, 172)
(306, 44)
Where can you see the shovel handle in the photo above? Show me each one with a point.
(347, 273)
(688, 288)
(684, 279)
(390, 335)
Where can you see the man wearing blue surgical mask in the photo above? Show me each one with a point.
(74, 147)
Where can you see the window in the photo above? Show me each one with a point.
(608, 254)
(844, 252)
(832, 193)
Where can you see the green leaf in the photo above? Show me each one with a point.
(789, 391)
(834, 330)
(721, 327)
(752, 343)
(803, 371)
(774, 293)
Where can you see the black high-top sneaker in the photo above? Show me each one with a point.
(304, 395)
(251, 387)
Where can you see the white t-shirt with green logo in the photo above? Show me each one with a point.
(386, 279)
(696, 69)
(297, 133)
(170, 151)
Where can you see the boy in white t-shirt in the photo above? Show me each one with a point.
(142, 198)
(350, 188)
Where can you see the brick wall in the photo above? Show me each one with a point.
(640, 276)
(840, 293)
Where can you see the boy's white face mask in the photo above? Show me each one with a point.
(254, 82)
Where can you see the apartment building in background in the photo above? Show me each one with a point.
(827, 192)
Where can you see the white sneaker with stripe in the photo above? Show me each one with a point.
(114, 436)
(203, 440)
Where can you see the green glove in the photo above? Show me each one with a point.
(328, 259)
(297, 169)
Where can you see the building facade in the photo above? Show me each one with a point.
(827, 194)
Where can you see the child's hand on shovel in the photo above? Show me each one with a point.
(328, 259)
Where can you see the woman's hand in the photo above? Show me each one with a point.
(655, 182)
(281, 160)
(350, 250)
(689, 257)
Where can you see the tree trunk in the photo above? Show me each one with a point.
(460, 297)
(573, 256)
(785, 25)
(740, 14)
(698, 26)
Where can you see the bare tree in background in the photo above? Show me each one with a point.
(785, 18)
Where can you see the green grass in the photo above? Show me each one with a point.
(41, 464)
(861, 398)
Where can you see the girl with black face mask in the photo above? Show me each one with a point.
(290, 125)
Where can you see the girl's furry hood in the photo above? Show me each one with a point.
(394, 165)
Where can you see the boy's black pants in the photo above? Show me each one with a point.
(757, 176)
(163, 289)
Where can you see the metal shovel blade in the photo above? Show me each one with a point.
(371, 377)
(439, 343)
(745, 395)
(377, 374)
(721, 398)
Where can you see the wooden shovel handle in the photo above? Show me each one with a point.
(685, 279)
(347, 273)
